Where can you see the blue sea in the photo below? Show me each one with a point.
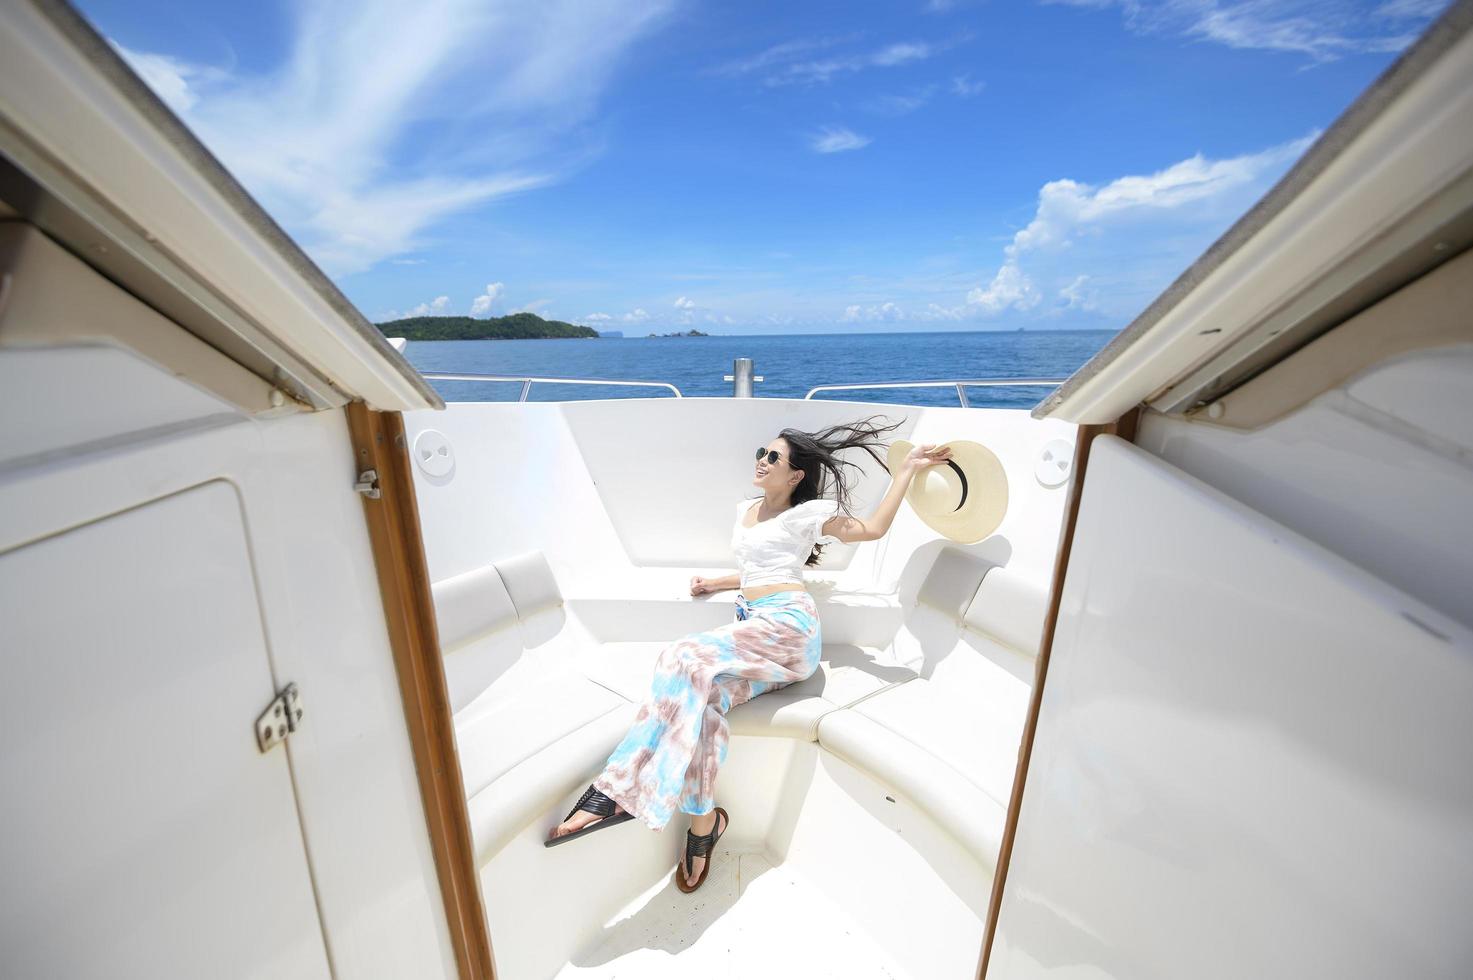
(789, 364)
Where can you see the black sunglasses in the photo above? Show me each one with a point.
(772, 455)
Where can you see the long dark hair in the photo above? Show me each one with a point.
(817, 455)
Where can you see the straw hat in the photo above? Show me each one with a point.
(964, 498)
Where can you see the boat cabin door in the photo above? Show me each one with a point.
(144, 830)
(1250, 757)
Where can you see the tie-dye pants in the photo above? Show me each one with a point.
(670, 757)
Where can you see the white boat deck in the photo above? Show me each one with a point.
(558, 583)
(751, 918)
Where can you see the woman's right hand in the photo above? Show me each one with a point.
(921, 457)
(700, 585)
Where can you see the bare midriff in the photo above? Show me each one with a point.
(758, 591)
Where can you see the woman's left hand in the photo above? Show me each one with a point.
(921, 457)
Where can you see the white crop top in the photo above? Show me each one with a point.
(774, 550)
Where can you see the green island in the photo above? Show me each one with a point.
(688, 333)
(514, 326)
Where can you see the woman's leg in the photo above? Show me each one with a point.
(670, 756)
(699, 791)
(798, 658)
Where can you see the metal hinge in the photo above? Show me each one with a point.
(281, 717)
(368, 484)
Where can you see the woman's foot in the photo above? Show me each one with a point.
(578, 821)
(700, 825)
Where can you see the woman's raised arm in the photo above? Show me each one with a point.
(874, 527)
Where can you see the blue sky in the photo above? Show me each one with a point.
(754, 167)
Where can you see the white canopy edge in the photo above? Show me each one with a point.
(114, 176)
(1384, 195)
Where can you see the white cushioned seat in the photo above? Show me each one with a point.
(972, 817)
(948, 739)
(936, 714)
(471, 605)
(972, 725)
(846, 675)
(542, 782)
(477, 622)
(486, 618)
(521, 715)
(514, 691)
(625, 668)
(1010, 609)
(534, 593)
(530, 583)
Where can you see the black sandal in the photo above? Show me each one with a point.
(700, 846)
(594, 802)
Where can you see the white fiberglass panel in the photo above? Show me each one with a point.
(1250, 758)
(517, 484)
(143, 833)
(627, 498)
(1376, 470)
(670, 478)
(357, 792)
(61, 399)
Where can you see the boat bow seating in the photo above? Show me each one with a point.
(935, 712)
(948, 737)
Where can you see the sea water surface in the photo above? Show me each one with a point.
(789, 364)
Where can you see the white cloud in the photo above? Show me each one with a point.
(439, 306)
(891, 312)
(688, 309)
(778, 54)
(1410, 9)
(962, 85)
(1109, 249)
(1076, 297)
(349, 229)
(792, 62)
(900, 54)
(935, 311)
(1323, 30)
(876, 312)
(824, 70)
(899, 105)
(1063, 205)
(837, 139)
(538, 306)
(332, 140)
(168, 77)
(597, 318)
(636, 315)
(481, 305)
(1010, 289)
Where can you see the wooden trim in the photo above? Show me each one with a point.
(1125, 428)
(398, 552)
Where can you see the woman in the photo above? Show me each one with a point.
(677, 743)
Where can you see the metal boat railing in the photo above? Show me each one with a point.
(743, 378)
(527, 382)
(960, 386)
